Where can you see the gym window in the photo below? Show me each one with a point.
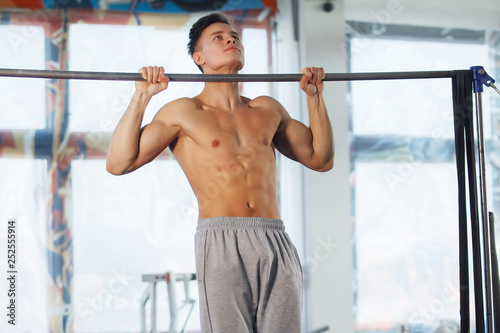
(403, 174)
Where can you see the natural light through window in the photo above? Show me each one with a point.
(30, 219)
(418, 108)
(404, 185)
(22, 47)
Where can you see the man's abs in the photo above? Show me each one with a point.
(230, 162)
(228, 187)
(232, 183)
(239, 202)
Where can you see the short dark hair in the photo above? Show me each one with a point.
(199, 26)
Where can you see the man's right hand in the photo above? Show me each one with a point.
(156, 80)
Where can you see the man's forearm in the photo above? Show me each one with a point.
(124, 145)
(321, 129)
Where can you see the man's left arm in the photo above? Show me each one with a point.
(311, 146)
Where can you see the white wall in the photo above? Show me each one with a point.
(478, 14)
(286, 60)
(315, 206)
(328, 259)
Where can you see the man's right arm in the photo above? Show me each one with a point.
(131, 147)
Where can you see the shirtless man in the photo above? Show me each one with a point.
(249, 274)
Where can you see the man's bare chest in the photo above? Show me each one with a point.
(215, 129)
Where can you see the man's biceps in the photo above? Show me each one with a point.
(296, 126)
(299, 135)
(286, 152)
(159, 128)
(292, 148)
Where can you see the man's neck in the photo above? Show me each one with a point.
(221, 95)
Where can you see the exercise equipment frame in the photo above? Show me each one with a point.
(486, 296)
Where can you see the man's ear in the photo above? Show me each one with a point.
(198, 59)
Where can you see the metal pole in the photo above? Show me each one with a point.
(466, 101)
(144, 300)
(172, 301)
(153, 307)
(53, 74)
(495, 287)
(484, 214)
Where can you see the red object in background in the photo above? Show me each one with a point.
(31, 4)
(273, 4)
(38, 4)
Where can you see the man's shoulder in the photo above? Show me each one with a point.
(264, 101)
(177, 111)
(180, 106)
(268, 103)
(183, 102)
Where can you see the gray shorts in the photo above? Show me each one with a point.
(249, 276)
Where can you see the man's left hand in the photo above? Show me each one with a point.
(312, 80)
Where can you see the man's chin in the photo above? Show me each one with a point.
(240, 67)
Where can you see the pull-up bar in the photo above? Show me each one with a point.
(118, 76)
(464, 145)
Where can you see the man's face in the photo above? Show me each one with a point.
(219, 49)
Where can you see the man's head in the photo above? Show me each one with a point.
(200, 26)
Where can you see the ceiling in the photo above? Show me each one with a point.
(157, 6)
(479, 14)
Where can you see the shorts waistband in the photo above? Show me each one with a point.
(234, 222)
